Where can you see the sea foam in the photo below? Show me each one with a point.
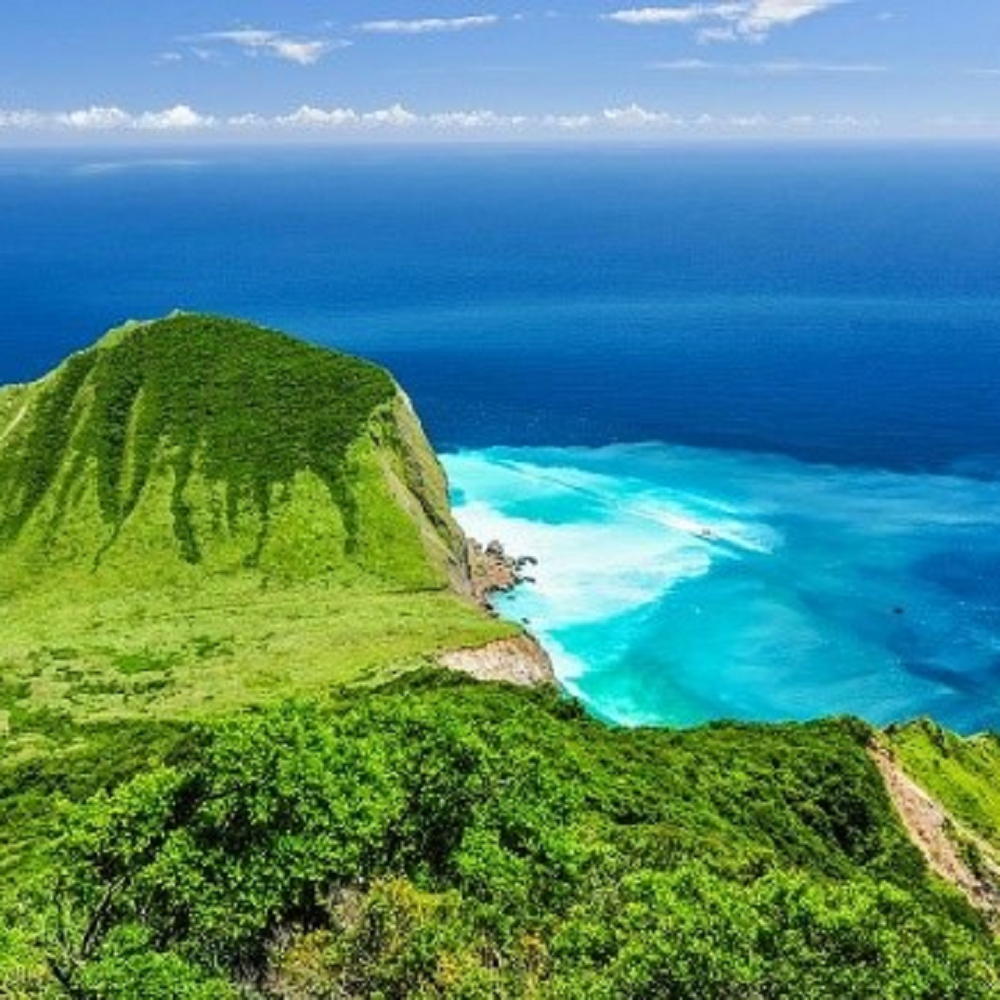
(677, 585)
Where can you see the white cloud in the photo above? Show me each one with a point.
(397, 116)
(178, 117)
(397, 119)
(708, 35)
(16, 118)
(476, 120)
(429, 25)
(788, 67)
(249, 120)
(749, 20)
(851, 122)
(567, 123)
(99, 118)
(975, 124)
(795, 68)
(763, 15)
(837, 123)
(254, 41)
(636, 116)
(686, 65)
(310, 117)
(748, 121)
(303, 53)
(672, 15)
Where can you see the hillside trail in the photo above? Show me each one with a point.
(945, 843)
(12, 426)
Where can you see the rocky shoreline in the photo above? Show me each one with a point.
(519, 660)
(492, 571)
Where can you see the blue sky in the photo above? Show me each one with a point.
(83, 70)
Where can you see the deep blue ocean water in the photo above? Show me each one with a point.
(743, 404)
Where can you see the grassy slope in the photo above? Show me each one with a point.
(197, 516)
(961, 773)
(203, 442)
(12, 400)
(226, 646)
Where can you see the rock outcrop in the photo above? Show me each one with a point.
(519, 660)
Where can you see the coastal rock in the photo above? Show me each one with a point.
(493, 571)
(519, 660)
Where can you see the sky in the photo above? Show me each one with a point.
(79, 71)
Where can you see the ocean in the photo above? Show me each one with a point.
(741, 403)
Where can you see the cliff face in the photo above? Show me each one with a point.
(198, 445)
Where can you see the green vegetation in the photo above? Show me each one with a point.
(250, 407)
(228, 768)
(196, 445)
(442, 838)
(963, 774)
(198, 515)
(166, 655)
(12, 400)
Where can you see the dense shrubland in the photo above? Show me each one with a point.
(442, 838)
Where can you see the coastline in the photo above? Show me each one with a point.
(521, 659)
(678, 585)
(492, 571)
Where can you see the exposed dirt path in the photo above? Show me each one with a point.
(10, 428)
(940, 837)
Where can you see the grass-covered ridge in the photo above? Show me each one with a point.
(246, 408)
(962, 773)
(447, 839)
(197, 514)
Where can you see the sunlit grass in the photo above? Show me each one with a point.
(961, 773)
(231, 643)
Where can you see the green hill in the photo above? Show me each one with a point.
(197, 514)
(255, 451)
(963, 775)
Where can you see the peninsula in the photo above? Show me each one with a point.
(233, 764)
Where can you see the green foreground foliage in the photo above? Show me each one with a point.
(441, 838)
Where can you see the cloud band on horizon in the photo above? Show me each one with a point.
(308, 119)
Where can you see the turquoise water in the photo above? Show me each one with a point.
(678, 585)
(811, 336)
